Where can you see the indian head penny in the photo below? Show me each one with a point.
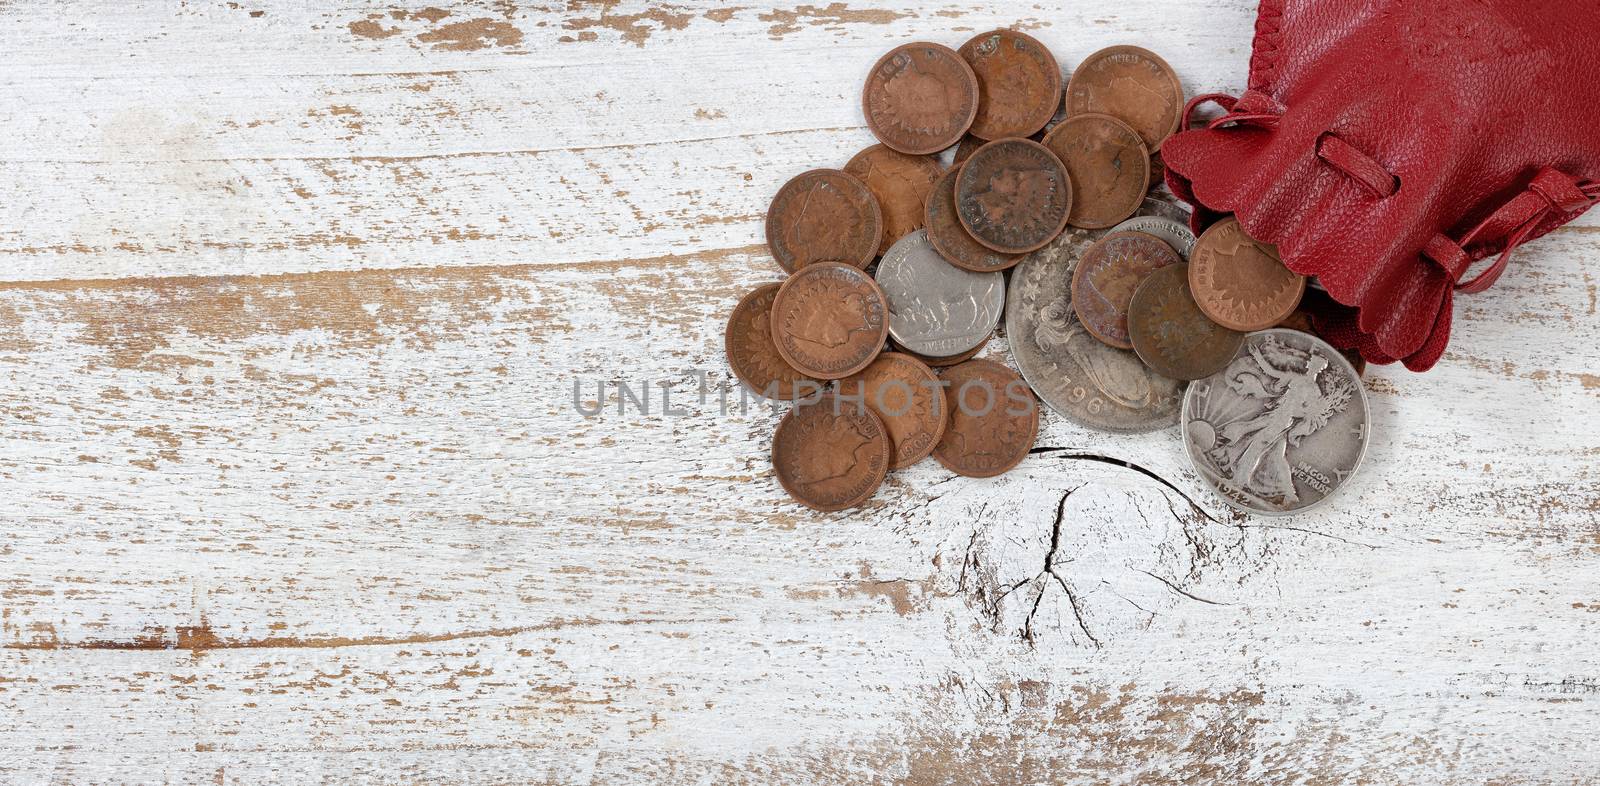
(905, 394)
(1239, 283)
(1133, 85)
(1076, 374)
(1108, 164)
(936, 308)
(824, 216)
(920, 98)
(829, 320)
(1019, 84)
(752, 355)
(1282, 428)
(1104, 281)
(1170, 333)
(830, 454)
(901, 184)
(994, 419)
(1013, 196)
(951, 239)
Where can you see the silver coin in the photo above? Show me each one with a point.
(1077, 375)
(935, 308)
(1174, 233)
(1282, 427)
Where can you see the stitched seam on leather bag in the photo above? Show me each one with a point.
(1265, 50)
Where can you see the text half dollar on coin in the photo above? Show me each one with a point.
(936, 308)
(824, 215)
(1109, 166)
(1170, 333)
(1019, 83)
(920, 98)
(951, 239)
(829, 320)
(907, 397)
(1076, 374)
(901, 183)
(752, 355)
(1013, 196)
(830, 455)
(1174, 232)
(1133, 85)
(1283, 427)
(994, 419)
(1105, 279)
(1240, 283)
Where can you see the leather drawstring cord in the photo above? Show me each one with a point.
(1551, 193)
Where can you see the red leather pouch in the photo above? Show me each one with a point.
(1389, 146)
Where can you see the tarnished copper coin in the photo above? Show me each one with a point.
(824, 216)
(994, 418)
(1109, 166)
(951, 239)
(920, 98)
(941, 362)
(901, 184)
(1239, 283)
(1103, 284)
(1171, 334)
(1019, 84)
(1013, 196)
(969, 145)
(830, 454)
(754, 359)
(1133, 85)
(829, 320)
(905, 394)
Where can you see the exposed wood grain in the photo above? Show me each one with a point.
(296, 488)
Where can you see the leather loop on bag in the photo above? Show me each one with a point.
(1552, 192)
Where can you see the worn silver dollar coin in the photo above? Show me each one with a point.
(1282, 428)
(1077, 375)
(1173, 233)
(935, 308)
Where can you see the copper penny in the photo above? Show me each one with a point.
(1239, 283)
(969, 145)
(824, 216)
(941, 362)
(905, 394)
(951, 239)
(1133, 85)
(1103, 284)
(830, 454)
(993, 419)
(747, 341)
(1109, 167)
(1013, 196)
(1019, 83)
(920, 98)
(1171, 334)
(829, 320)
(901, 184)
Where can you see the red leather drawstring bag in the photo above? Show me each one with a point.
(1385, 146)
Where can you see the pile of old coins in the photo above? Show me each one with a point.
(1117, 316)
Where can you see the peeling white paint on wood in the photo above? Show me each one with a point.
(295, 490)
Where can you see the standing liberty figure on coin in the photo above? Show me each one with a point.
(1253, 452)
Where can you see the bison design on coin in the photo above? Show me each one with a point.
(1282, 427)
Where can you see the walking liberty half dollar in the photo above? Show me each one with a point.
(1282, 428)
(935, 308)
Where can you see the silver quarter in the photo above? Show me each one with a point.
(1077, 375)
(1282, 428)
(935, 308)
(1173, 233)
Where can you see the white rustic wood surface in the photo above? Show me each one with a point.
(294, 298)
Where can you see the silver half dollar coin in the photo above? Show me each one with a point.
(1282, 428)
